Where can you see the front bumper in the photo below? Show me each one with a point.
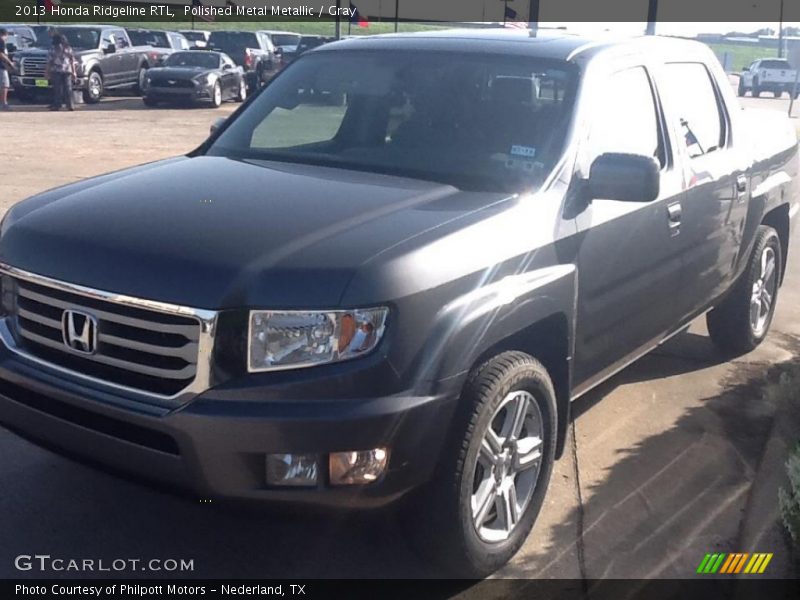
(198, 93)
(215, 446)
(29, 84)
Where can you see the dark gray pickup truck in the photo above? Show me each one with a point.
(106, 59)
(399, 295)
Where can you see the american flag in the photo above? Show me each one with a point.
(204, 17)
(510, 20)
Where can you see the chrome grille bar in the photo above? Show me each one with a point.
(33, 66)
(158, 351)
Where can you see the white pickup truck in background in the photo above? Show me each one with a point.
(768, 75)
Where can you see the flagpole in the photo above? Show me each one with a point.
(396, 15)
(338, 25)
(505, 12)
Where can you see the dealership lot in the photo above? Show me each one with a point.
(673, 458)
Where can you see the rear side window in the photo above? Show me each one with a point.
(694, 103)
(625, 119)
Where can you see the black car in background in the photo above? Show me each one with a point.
(187, 76)
(251, 50)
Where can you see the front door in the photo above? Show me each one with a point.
(629, 259)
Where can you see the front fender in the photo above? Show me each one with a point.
(468, 327)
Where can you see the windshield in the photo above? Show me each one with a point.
(285, 39)
(195, 36)
(478, 122)
(233, 42)
(193, 59)
(775, 64)
(157, 39)
(80, 38)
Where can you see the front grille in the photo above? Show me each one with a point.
(33, 66)
(138, 348)
(165, 82)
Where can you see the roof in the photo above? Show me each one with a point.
(552, 44)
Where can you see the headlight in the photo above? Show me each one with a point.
(280, 340)
(206, 78)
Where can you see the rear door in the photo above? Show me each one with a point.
(129, 58)
(628, 255)
(715, 178)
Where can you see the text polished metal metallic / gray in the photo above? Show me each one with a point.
(156, 350)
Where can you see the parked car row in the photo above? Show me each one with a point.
(111, 57)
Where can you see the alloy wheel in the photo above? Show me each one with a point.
(763, 293)
(507, 467)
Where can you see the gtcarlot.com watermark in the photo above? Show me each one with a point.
(45, 563)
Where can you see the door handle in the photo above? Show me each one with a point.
(741, 184)
(674, 212)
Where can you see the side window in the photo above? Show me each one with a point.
(119, 39)
(625, 118)
(693, 102)
(107, 39)
(754, 66)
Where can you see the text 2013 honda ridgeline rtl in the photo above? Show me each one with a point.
(388, 275)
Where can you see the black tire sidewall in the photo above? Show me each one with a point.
(496, 554)
(729, 323)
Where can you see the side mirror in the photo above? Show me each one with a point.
(227, 67)
(110, 49)
(625, 177)
(216, 125)
(11, 48)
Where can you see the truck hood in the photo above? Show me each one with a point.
(212, 232)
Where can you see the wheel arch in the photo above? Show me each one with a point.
(532, 312)
(548, 341)
(778, 219)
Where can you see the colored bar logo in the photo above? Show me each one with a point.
(734, 563)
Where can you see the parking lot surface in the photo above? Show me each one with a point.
(676, 456)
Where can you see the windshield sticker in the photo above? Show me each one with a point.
(525, 151)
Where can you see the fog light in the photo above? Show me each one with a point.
(292, 469)
(357, 467)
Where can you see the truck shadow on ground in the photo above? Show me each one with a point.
(67, 510)
(678, 494)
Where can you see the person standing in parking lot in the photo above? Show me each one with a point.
(5, 66)
(61, 72)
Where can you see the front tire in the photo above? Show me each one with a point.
(216, 95)
(149, 102)
(741, 322)
(493, 475)
(94, 88)
(741, 90)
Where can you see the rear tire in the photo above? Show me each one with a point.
(140, 80)
(741, 322)
(777, 93)
(149, 102)
(242, 95)
(489, 486)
